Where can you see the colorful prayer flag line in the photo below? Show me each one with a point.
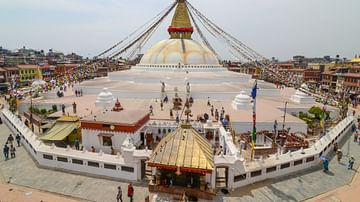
(253, 95)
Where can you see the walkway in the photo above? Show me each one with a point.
(302, 185)
(23, 171)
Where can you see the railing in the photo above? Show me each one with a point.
(176, 190)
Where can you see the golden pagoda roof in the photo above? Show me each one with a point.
(184, 148)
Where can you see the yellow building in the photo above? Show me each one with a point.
(318, 66)
(27, 72)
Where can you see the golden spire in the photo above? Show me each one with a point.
(38, 74)
(181, 25)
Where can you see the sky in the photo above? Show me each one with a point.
(274, 28)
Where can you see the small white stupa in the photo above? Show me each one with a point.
(105, 99)
(302, 98)
(38, 81)
(242, 101)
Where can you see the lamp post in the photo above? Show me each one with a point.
(31, 111)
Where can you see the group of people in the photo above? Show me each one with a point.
(130, 193)
(339, 156)
(11, 149)
(79, 93)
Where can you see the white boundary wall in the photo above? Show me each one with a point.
(126, 166)
(242, 173)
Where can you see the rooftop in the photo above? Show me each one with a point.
(129, 117)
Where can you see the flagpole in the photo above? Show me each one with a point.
(253, 139)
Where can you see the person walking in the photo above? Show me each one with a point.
(130, 192)
(339, 155)
(351, 163)
(161, 105)
(212, 110)
(119, 195)
(12, 151)
(336, 147)
(325, 165)
(18, 138)
(10, 139)
(77, 144)
(6, 152)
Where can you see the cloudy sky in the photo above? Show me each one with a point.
(280, 28)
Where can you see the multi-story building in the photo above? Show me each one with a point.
(27, 73)
(2, 75)
(62, 69)
(11, 73)
(312, 75)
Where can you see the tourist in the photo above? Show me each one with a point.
(216, 115)
(74, 108)
(10, 139)
(81, 93)
(222, 110)
(93, 149)
(171, 113)
(161, 105)
(351, 163)
(151, 110)
(336, 147)
(208, 102)
(130, 192)
(354, 112)
(76, 93)
(339, 155)
(12, 151)
(325, 165)
(119, 194)
(77, 144)
(355, 137)
(177, 117)
(212, 110)
(63, 109)
(6, 152)
(18, 138)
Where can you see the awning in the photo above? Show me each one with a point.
(60, 131)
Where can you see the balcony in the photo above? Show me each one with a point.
(178, 191)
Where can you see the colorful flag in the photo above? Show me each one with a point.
(253, 95)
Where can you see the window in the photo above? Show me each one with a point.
(271, 169)
(49, 157)
(107, 141)
(62, 159)
(298, 162)
(255, 173)
(285, 165)
(309, 159)
(110, 166)
(239, 177)
(127, 169)
(93, 164)
(77, 161)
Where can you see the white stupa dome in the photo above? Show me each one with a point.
(105, 98)
(175, 51)
(241, 101)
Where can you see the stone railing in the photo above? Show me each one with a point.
(126, 166)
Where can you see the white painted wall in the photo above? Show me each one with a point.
(130, 156)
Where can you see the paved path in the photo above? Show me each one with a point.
(295, 187)
(302, 185)
(23, 171)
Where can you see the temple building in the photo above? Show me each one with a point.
(183, 163)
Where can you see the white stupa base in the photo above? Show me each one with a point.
(302, 100)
